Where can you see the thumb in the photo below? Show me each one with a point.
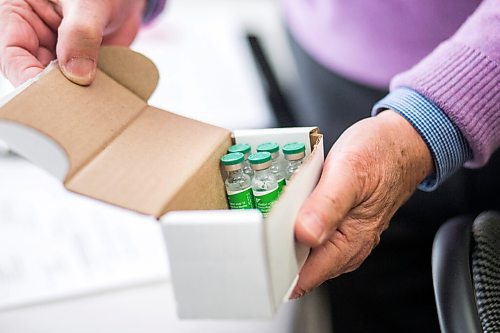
(329, 203)
(80, 36)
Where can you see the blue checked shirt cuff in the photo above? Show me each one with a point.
(446, 143)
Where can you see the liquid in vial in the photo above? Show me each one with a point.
(238, 184)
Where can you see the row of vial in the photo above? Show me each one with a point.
(257, 180)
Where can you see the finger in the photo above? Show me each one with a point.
(317, 268)
(47, 11)
(334, 196)
(45, 56)
(343, 252)
(20, 42)
(27, 29)
(20, 65)
(80, 36)
(21, 26)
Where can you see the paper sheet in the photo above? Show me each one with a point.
(54, 244)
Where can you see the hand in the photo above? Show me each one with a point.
(35, 32)
(370, 172)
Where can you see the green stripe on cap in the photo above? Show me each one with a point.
(294, 148)
(232, 159)
(260, 157)
(270, 147)
(240, 148)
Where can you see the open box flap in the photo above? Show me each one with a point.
(105, 142)
(81, 120)
(58, 111)
(131, 69)
(156, 164)
(30, 143)
(33, 116)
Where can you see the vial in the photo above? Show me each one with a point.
(294, 153)
(277, 167)
(238, 184)
(264, 185)
(245, 149)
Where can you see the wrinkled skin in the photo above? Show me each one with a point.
(369, 173)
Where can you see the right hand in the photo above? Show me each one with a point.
(35, 32)
(371, 170)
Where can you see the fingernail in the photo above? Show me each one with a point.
(313, 226)
(80, 70)
(297, 293)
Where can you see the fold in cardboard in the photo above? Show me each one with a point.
(104, 141)
(117, 148)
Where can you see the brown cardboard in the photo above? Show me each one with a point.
(82, 120)
(315, 137)
(154, 165)
(132, 70)
(120, 150)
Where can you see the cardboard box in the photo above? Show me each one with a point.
(104, 141)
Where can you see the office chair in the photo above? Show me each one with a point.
(466, 274)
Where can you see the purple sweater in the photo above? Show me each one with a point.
(370, 41)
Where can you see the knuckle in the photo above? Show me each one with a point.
(10, 7)
(11, 4)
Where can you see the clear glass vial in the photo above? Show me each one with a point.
(245, 149)
(264, 185)
(294, 153)
(238, 184)
(277, 167)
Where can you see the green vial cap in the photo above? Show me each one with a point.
(260, 157)
(232, 159)
(240, 148)
(270, 147)
(294, 148)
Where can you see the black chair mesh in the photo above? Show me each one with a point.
(486, 269)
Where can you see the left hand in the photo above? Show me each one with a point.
(369, 173)
(35, 32)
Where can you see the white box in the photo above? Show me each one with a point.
(236, 264)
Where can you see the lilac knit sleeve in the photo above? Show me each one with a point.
(153, 10)
(462, 77)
